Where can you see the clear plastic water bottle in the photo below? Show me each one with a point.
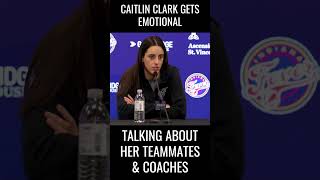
(94, 156)
(139, 113)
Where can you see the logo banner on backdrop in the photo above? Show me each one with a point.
(279, 75)
(12, 80)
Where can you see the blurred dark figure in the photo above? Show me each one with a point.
(71, 59)
(227, 133)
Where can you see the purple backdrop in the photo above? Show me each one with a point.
(285, 146)
(179, 54)
(23, 24)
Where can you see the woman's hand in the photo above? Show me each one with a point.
(129, 99)
(64, 124)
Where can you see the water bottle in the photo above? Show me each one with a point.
(139, 113)
(93, 163)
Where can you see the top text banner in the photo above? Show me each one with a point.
(160, 16)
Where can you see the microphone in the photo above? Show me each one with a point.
(155, 75)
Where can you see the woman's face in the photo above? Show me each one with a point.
(153, 59)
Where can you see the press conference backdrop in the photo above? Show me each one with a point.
(274, 49)
(277, 146)
(23, 25)
(189, 52)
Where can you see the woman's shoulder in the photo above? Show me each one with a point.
(172, 72)
(129, 71)
(172, 69)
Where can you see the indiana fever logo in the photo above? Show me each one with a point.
(197, 85)
(279, 75)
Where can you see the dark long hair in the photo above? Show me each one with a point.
(131, 79)
(65, 64)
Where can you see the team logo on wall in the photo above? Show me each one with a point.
(197, 49)
(113, 43)
(197, 85)
(279, 75)
(193, 36)
(12, 81)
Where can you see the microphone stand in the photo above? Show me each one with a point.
(155, 74)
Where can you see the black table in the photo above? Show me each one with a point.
(154, 122)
